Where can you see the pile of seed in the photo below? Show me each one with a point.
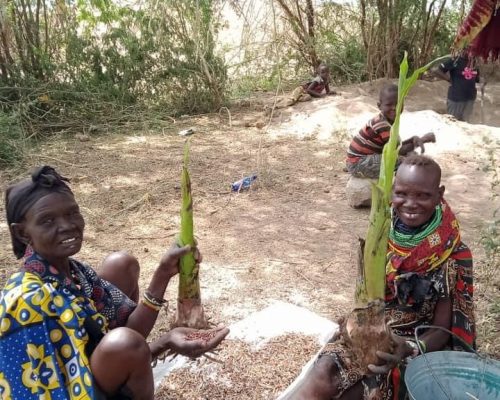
(243, 372)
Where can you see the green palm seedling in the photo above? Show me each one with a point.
(189, 308)
(365, 331)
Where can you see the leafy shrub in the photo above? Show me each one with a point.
(11, 140)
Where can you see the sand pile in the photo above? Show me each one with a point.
(346, 113)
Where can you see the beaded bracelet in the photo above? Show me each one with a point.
(153, 303)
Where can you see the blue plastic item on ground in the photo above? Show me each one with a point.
(244, 183)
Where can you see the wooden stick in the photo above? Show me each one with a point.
(213, 359)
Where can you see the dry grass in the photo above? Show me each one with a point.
(486, 272)
(487, 299)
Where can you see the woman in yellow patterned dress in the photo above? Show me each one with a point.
(67, 332)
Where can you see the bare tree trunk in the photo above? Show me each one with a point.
(367, 35)
(4, 34)
(4, 75)
(392, 17)
(36, 27)
(46, 22)
(363, 23)
(26, 22)
(18, 29)
(305, 36)
(429, 40)
(310, 30)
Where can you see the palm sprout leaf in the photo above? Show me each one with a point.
(372, 283)
(189, 286)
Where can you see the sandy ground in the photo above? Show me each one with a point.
(292, 236)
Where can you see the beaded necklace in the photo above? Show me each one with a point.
(413, 239)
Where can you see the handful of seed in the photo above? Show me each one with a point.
(201, 335)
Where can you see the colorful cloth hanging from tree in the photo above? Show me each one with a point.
(480, 31)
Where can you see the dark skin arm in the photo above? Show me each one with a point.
(329, 91)
(414, 142)
(142, 319)
(442, 75)
(434, 340)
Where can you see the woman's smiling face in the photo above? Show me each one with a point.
(53, 227)
(416, 193)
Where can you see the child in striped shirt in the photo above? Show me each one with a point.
(364, 155)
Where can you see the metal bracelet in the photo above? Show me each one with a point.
(154, 300)
(150, 305)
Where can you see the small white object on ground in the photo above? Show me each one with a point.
(281, 318)
(278, 319)
(186, 132)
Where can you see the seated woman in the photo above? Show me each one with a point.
(428, 282)
(67, 332)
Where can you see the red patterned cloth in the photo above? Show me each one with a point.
(487, 43)
(425, 257)
(440, 261)
(481, 30)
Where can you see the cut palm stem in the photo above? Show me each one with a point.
(189, 308)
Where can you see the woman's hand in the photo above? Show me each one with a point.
(193, 343)
(389, 360)
(143, 318)
(169, 263)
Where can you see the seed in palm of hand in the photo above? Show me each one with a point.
(201, 335)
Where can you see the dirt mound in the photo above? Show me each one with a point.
(345, 114)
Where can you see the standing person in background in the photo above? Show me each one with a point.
(462, 92)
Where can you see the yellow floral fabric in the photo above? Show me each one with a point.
(43, 340)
